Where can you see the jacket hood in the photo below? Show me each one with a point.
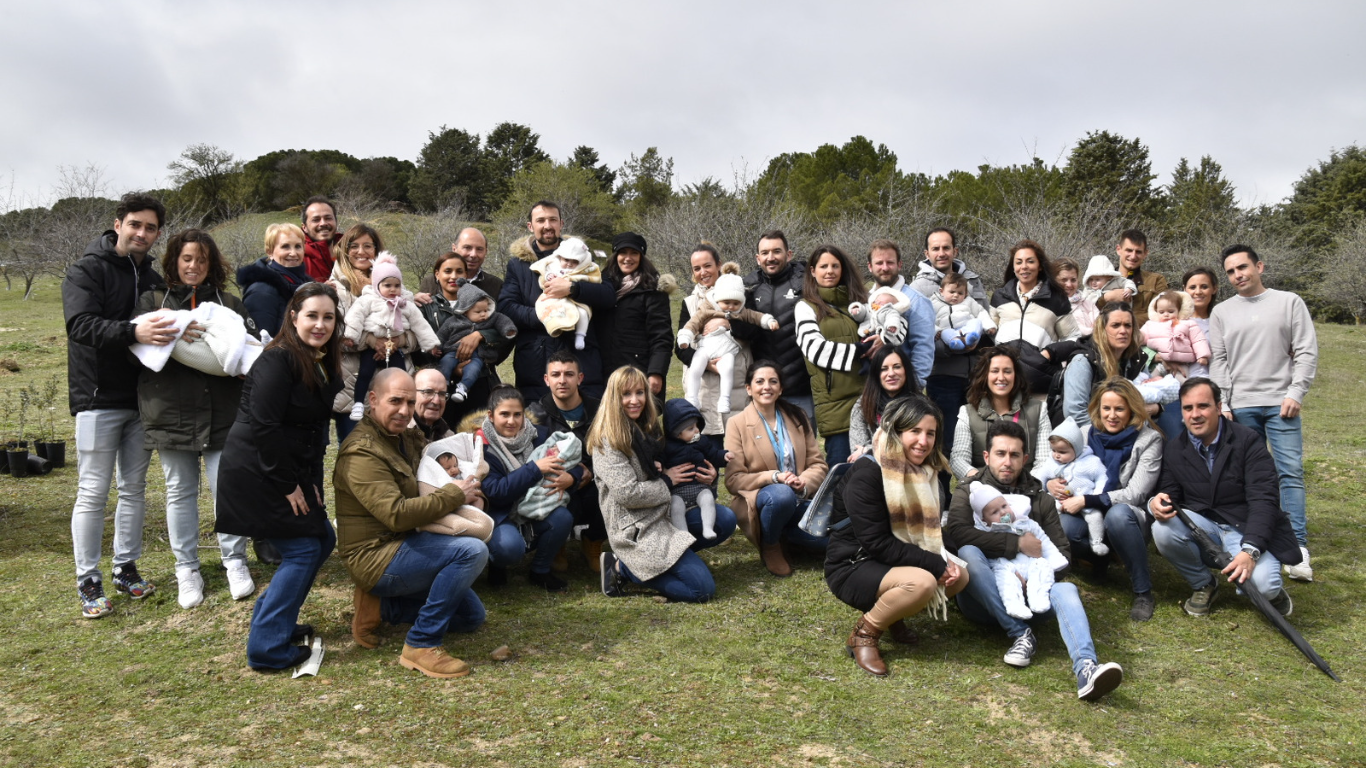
(676, 412)
(263, 270)
(521, 249)
(1099, 266)
(1069, 431)
(1185, 312)
(927, 270)
(469, 295)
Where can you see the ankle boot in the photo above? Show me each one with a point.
(365, 623)
(902, 633)
(774, 561)
(862, 648)
(592, 554)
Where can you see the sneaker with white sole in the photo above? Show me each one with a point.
(191, 586)
(128, 581)
(1021, 652)
(358, 410)
(93, 602)
(1302, 571)
(1095, 680)
(239, 580)
(1282, 603)
(610, 577)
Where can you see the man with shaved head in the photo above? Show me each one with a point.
(403, 575)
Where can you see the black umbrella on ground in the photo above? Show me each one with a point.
(1221, 559)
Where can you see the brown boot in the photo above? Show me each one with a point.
(862, 647)
(432, 662)
(365, 623)
(592, 554)
(774, 561)
(902, 633)
(561, 562)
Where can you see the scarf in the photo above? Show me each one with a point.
(1113, 451)
(513, 452)
(647, 450)
(628, 284)
(912, 505)
(396, 306)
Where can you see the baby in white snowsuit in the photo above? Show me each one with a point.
(884, 315)
(958, 318)
(1075, 462)
(709, 330)
(998, 512)
(574, 261)
(1101, 276)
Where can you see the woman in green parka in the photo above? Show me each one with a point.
(186, 414)
(828, 338)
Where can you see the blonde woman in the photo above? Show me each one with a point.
(625, 442)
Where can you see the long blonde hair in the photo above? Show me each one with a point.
(612, 427)
(1108, 359)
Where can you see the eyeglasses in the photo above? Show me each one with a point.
(432, 392)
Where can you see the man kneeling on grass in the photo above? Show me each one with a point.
(1222, 475)
(403, 575)
(981, 600)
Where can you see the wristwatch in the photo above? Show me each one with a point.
(1252, 552)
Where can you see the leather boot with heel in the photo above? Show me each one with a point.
(862, 648)
(365, 623)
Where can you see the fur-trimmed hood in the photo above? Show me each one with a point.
(1185, 312)
(522, 251)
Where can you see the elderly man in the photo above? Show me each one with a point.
(401, 574)
(431, 403)
(472, 247)
(1221, 474)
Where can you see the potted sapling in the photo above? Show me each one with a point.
(50, 448)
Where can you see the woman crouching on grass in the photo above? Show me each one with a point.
(626, 442)
(886, 557)
(274, 453)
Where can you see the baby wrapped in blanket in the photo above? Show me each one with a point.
(224, 347)
(458, 457)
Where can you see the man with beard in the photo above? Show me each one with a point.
(98, 295)
(775, 288)
(320, 234)
(534, 345)
(884, 264)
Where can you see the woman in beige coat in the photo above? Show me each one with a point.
(770, 494)
(625, 441)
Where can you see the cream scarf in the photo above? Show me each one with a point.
(912, 505)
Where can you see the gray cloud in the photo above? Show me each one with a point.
(1264, 88)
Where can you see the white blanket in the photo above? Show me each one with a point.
(224, 349)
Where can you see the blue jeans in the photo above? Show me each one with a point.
(1287, 450)
(507, 547)
(981, 602)
(344, 427)
(428, 583)
(686, 581)
(1126, 529)
(276, 612)
(108, 440)
(182, 507)
(725, 526)
(779, 512)
(806, 403)
(368, 366)
(950, 393)
(1175, 542)
(474, 367)
(837, 448)
(1169, 419)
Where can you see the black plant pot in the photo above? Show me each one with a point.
(18, 462)
(54, 452)
(37, 465)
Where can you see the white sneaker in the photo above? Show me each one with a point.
(1301, 572)
(239, 580)
(191, 586)
(358, 410)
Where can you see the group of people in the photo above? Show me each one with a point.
(1069, 441)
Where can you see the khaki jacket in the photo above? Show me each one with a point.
(377, 498)
(754, 463)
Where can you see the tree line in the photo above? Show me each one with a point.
(1315, 239)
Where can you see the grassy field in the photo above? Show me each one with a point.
(758, 677)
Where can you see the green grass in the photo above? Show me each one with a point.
(758, 677)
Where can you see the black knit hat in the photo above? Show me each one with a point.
(628, 240)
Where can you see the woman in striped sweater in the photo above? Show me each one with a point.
(828, 337)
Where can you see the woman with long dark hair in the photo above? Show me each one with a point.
(1031, 311)
(998, 390)
(890, 375)
(270, 478)
(828, 337)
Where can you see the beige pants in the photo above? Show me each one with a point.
(905, 591)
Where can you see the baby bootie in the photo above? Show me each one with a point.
(460, 393)
(578, 340)
(971, 338)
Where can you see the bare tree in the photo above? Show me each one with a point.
(1345, 273)
(423, 238)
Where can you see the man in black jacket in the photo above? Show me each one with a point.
(1221, 474)
(98, 297)
(775, 288)
(567, 409)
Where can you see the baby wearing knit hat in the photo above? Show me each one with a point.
(1009, 514)
(384, 324)
(709, 330)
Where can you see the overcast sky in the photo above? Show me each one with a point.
(1267, 89)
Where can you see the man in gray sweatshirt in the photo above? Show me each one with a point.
(1265, 357)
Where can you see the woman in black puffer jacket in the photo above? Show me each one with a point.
(186, 414)
(638, 331)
